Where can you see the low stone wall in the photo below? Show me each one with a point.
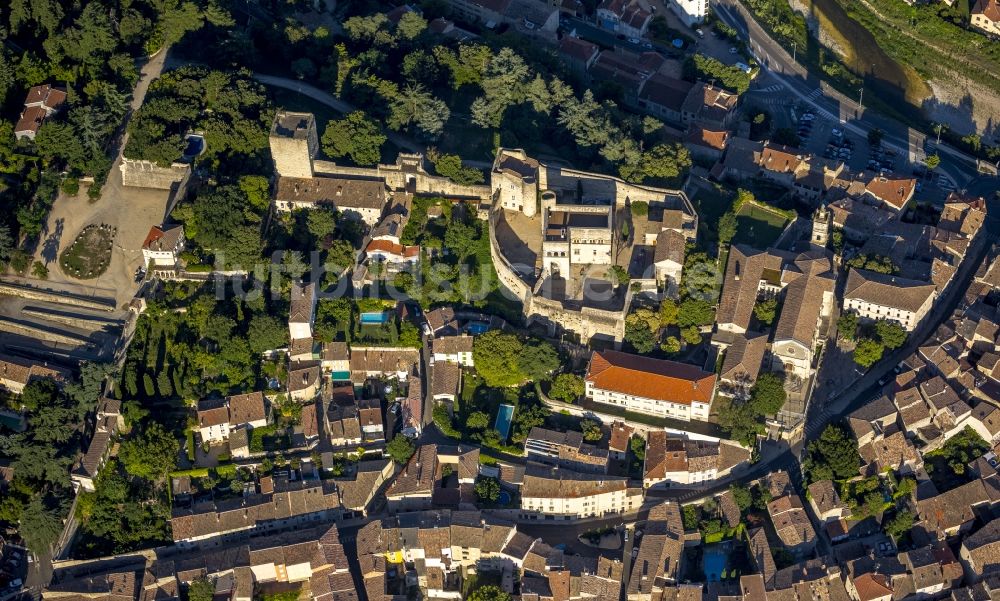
(15, 327)
(147, 174)
(29, 292)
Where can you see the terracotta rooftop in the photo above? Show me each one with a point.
(645, 377)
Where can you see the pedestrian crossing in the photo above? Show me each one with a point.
(815, 94)
(777, 87)
(945, 183)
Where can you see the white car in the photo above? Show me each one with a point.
(743, 67)
(634, 41)
(733, 50)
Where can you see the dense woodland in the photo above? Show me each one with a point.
(42, 455)
(92, 50)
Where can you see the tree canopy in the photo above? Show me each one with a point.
(400, 449)
(567, 387)
(356, 137)
(832, 456)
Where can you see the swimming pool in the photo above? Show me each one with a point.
(505, 414)
(375, 317)
(504, 498)
(714, 561)
(341, 376)
(477, 327)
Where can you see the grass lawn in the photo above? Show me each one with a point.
(90, 254)
(757, 227)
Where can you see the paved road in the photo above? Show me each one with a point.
(780, 67)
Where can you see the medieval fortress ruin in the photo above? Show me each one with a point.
(560, 239)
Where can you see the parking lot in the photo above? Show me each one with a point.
(13, 569)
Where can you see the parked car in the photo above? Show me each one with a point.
(743, 67)
(733, 50)
(699, 33)
(635, 41)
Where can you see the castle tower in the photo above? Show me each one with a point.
(294, 143)
(821, 226)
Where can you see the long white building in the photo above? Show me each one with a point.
(875, 296)
(651, 386)
(553, 493)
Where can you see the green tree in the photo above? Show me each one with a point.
(567, 388)
(487, 490)
(489, 593)
(832, 456)
(591, 430)
(321, 223)
(150, 454)
(638, 446)
(639, 335)
(619, 274)
(640, 208)
(742, 496)
(415, 106)
(39, 394)
(400, 449)
(671, 344)
(266, 332)
(40, 271)
(932, 161)
(537, 360)
(691, 335)
(690, 516)
(663, 162)
(900, 524)
(766, 310)
(740, 421)
(868, 352)
(450, 166)
(201, 589)
(890, 333)
(496, 356)
(727, 227)
(767, 396)
(847, 325)
(695, 312)
(477, 420)
(355, 136)
(40, 526)
(668, 312)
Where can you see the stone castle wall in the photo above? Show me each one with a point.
(147, 174)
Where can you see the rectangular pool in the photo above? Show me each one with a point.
(341, 376)
(714, 560)
(505, 415)
(477, 327)
(375, 317)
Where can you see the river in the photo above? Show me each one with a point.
(892, 81)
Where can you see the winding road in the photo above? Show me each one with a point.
(778, 65)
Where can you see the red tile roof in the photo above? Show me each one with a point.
(389, 247)
(894, 191)
(31, 119)
(650, 378)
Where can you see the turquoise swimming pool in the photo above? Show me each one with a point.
(375, 317)
(478, 327)
(714, 561)
(505, 414)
